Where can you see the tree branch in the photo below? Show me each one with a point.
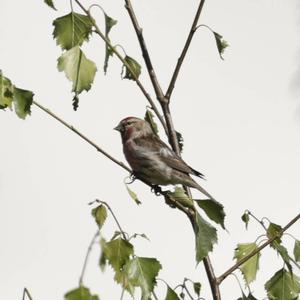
(98, 148)
(139, 84)
(139, 32)
(268, 242)
(184, 51)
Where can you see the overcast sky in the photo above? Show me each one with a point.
(240, 119)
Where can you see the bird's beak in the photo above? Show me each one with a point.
(118, 128)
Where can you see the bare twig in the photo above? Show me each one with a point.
(139, 32)
(247, 257)
(26, 293)
(184, 51)
(87, 257)
(98, 148)
(112, 48)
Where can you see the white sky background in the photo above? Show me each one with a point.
(239, 117)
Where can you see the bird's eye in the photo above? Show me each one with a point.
(129, 123)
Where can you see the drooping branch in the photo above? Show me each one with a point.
(265, 244)
(184, 51)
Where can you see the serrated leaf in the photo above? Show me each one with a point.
(72, 30)
(109, 23)
(133, 195)
(250, 267)
(117, 252)
(50, 3)
(283, 286)
(297, 250)
(221, 43)
(245, 218)
(6, 92)
(81, 293)
(149, 117)
(142, 272)
(100, 215)
(180, 140)
(197, 288)
(171, 295)
(78, 69)
(206, 237)
(134, 70)
(180, 196)
(282, 251)
(214, 210)
(22, 100)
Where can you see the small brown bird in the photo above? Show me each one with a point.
(151, 159)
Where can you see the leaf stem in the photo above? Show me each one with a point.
(247, 257)
(115, 218)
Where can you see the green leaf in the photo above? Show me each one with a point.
(274, 230)
(221, 43)
(180, 196)
(102, 260)
(109, 23)
(50, 3)
(251, 297)
(134, 70)
(78, 69)
(6, 92)
(197, 288)
(180, 140)
(143, 235)
(245, 218)
(206, 237)
(214, 210)
(141, 272)
(133, 195)
(149, 117)
(250, 267)
(81, 293)
(22, 100)
(297, 250)
(171, 295)
(284, 255)
(100, 215)
(72, 30)
(117, 252)
(283, 286)
(244, 297)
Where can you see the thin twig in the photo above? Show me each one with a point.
(87, 257)
(139, 32)
(113, 49)
(184, 51)
(247, 257)
(26, 293)
(115, 218)
(98, 148)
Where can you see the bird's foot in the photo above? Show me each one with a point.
(156, 189)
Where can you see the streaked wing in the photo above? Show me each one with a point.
(166, 154)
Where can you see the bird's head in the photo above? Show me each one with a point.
(132, 127)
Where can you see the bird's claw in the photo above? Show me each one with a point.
(132, 178)
(156, 189)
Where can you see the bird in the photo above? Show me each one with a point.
(152, 160)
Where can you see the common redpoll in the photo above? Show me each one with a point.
(151, 159)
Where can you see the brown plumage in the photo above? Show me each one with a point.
(151, 159)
